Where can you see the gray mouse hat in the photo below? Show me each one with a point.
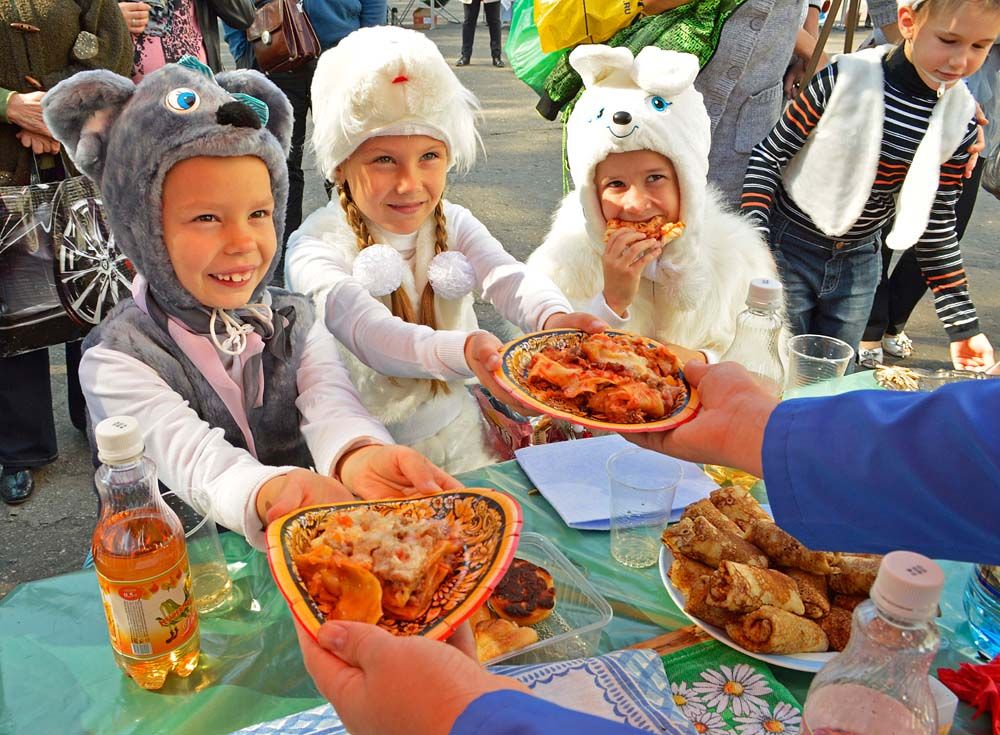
(126, 137)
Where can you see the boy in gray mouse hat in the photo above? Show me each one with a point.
(238, 388)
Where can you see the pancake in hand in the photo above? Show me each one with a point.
(772, 630)
(700, 540)
(655, 228)
(525, 595)
(742, 588)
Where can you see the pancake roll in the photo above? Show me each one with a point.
(685, 571)
(857, 574)
(697, 604)
(837, 626)
(741, 588)
(739, 506)
(700, 540)
(812, 590)
(715, 516)
(769, 629)
(785, 550)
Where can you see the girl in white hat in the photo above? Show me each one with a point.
(390, 263)
(637, 143)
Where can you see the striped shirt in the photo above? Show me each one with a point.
(908, 107)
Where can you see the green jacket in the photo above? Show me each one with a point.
(44, 42)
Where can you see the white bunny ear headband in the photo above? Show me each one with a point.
(380, 268)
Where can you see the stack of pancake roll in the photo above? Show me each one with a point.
(740, 571)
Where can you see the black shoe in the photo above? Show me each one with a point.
(16, 486)
(462, 61)
(498, 62)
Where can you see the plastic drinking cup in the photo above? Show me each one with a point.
(643, 484)
(814, 358)
(210, 581)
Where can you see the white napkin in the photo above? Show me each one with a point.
(571, 476)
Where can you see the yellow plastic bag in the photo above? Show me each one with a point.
(566, 23)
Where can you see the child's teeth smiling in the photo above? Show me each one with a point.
(233, 277)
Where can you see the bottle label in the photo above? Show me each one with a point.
(150, 617)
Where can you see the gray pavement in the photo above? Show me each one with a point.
(513, 190)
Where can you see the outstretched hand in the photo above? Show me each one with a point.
(297, 489)
(575, 320)
(387, 685)
(974, 353)
(393, 471)
(728, 428)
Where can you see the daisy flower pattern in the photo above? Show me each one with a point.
(683, 695)
(739, 687)
(784, 719)
(705, 721)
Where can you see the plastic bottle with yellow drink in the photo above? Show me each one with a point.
(141, 561)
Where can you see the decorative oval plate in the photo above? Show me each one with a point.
(812, 662)
(489, 526)
(513, 370)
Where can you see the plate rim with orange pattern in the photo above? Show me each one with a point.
(508, 531)
(508, 382)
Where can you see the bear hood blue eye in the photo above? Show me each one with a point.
(182, 100)
(658, 103)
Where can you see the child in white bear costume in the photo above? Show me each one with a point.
(390, 264)
(641, 127)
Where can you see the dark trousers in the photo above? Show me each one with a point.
(469, 27)
(899, 293)
(28, 431)
(295, 85)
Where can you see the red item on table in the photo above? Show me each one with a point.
(978, 685)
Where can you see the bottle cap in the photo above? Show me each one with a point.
(764, 293)
(118, 439)
(908, 586)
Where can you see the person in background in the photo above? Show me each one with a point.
(332, 20)
(53, 41)
(823, 201)
(471, 17)
(167, 30)
(900, 291)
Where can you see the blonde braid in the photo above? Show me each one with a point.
(400, 302)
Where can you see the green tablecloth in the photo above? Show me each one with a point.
(57, 674)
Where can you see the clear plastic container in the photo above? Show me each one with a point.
(573, 630)
(982, 607)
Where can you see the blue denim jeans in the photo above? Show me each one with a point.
(829, 283)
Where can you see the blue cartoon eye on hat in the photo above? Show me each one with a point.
(182, 100)
(658, 103)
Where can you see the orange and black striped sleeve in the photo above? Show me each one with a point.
(771, 155)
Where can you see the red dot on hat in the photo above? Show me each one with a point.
(400, 79)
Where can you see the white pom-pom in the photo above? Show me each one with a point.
(451, 275)
(379, 268)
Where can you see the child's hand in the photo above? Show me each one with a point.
(979, 145)
(297, 489)
(626, 254)
(575, 320)
(392, 471)
(37, 142)
(974, 353)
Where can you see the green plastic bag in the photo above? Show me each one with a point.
(524, 51)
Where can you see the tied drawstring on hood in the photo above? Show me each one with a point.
(127, 137)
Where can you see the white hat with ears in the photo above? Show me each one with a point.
(388, 80)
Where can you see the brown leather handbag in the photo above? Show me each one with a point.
(282, 36)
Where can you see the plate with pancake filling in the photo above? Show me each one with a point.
(615, 381)
(415, 566)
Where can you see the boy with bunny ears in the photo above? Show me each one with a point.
(237, 387)
(637, 145)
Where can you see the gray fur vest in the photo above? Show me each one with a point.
(274, 425)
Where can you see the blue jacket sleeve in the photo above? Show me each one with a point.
(239, 47)
(515, 713)
(874, 471)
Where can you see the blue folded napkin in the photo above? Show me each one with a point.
(626, 686)
(572, 477)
